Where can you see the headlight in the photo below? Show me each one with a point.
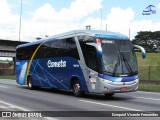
(137, 80)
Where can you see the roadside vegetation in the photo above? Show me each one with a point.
(12, 77)
(147, 87)
(149, 69)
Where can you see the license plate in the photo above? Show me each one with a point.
(123, 88)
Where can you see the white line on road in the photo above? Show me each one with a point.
(21, 108)
(3, 107)
(3, 87)
(14, 106)
(147, 98)
(109, 105)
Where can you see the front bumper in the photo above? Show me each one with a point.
(107, 86)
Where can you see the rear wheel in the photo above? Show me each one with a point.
(77, 89)
(30, 84)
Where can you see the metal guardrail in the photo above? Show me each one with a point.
(148, 82)
(7, 72)
(150, 73)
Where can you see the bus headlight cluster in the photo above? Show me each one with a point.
(105, 81)
(137, 80)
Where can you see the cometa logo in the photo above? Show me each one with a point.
(51, 64)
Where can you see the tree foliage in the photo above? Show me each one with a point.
(149, 40)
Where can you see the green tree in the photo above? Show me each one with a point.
(149, 40)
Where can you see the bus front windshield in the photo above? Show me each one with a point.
(118, 58)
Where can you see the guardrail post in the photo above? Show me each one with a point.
(149, 73)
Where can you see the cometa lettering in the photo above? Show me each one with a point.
(51, 64)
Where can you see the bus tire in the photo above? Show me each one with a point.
(109, 94)
(77, 88)
(30, 84)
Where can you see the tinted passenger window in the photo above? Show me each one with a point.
(25, 53)
(89, 52)
(58, 48)
(71, 48)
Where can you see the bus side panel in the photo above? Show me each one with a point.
(21, 69)
(56, 72)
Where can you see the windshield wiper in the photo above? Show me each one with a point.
(127, 65)
(116, 66)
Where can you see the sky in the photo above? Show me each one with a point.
(49, 17)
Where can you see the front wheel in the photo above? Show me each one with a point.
(77, 89)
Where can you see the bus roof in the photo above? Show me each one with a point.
(94, 33)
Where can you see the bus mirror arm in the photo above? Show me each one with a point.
(142, 50)
(98, 48)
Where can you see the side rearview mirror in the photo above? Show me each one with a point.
(98, 48)
(142, 50)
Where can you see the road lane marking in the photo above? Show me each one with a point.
(3, 87)
(3, 107)
(14, 106)
(114, 106)
(21, 108)
(147, 98)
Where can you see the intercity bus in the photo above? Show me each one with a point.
(82, 61)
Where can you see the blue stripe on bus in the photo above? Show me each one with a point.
(118, 79)
(118, 37)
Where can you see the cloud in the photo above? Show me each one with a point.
(81, 8)
(122, 20)
(8, 22)
(159, 5)
(47, 21)
(144, 25)
(119, 20)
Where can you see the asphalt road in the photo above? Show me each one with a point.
(14, 97)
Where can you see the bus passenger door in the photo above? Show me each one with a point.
(92, 68)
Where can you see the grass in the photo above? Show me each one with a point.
(8, 77)
(146, 87)
(152, 59)
(149, 68)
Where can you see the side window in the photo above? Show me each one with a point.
(58, 48)
(25, 53)
(51, 48)
(91, 59)
(20, 54)
(71, 48)
(40, 53)
(89, 52)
